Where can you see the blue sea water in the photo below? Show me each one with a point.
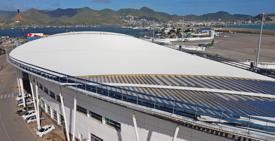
(20, 32)
(254, 26)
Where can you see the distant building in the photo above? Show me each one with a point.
(34, 36)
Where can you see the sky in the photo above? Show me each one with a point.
(179, 7)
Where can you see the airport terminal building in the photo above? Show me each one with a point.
(104, 86)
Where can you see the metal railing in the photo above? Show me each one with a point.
(150, 101)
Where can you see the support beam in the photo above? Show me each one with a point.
(37, 107)
(22, 91)
(135, 126)
(34, 103)
(18, 83)
(260, 42)
(176, 133)
(80, 137)
(64, 115)
(74, 110)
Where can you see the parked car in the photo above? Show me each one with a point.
(28, 102)
(28, 114)
(44, 130)
(32, 118)
(19, 96)
(21, 112)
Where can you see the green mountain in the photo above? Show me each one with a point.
(221, 15)
(87, 15)
(268, 17)
(70, 17)
(149, 14)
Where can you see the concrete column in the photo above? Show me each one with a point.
(58, 119)
(135, 126)
(22, 90)
(18, 83)
(34, 103)
(103, 121)
(176, 133)
(64, 115)
(80, 137)
(51, 113)
(18, 86)
(46, 108)
(75, 104)
(37, 107)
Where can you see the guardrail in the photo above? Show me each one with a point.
(156, 102)
(147, 100)
(160, 103)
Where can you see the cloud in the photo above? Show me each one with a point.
(101, 1)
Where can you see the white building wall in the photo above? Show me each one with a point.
(150, 128)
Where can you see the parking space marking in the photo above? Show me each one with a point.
(5, 96)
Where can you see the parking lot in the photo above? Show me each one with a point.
(12, 126)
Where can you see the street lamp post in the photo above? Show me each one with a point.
(260, 42)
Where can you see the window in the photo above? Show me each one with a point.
(95, 116)
(40, 86)
(95, 138)
(62, 120)
(46, 90)
(81, 109)
(58, 98)
(48, 109)
(54, 115)
(52, 95)
(112, 123)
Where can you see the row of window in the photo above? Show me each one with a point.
(80, 109)
(98, 117)
(54, 114)
(50, 93)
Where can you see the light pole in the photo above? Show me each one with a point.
(260, 42)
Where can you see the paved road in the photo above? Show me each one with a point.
(12, 127)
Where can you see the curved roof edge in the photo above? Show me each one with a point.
(90, 32)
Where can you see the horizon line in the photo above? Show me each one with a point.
(134, 8)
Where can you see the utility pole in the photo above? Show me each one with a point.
(260, 42)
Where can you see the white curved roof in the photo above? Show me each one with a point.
(103, 53)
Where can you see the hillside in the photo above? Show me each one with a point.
(268, 17)
(149, 14)
(87, 15)
(221, 15)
